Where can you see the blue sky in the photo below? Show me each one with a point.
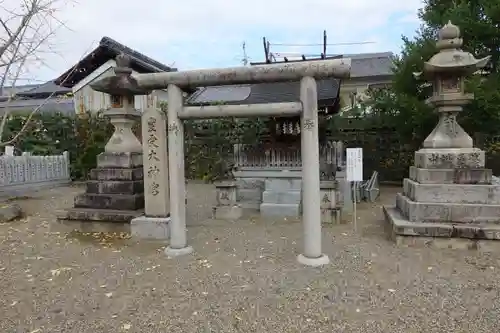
(198, 34)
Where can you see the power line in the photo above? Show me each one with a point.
(335, 44)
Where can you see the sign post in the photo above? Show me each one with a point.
(354, 174)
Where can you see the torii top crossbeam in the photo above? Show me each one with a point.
(337, 68)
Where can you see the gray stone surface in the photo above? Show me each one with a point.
(9, 211)
(451, 176)
(282, 185)
(289, 197)
(280, 210)
(144, 227)
(452, 193)
(401, 226)
(119, 160)
(447, 212)
(450, 158)
(331, 215)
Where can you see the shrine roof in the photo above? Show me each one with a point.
(279, 92)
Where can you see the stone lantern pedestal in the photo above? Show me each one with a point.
(115, 191)
(449, 198)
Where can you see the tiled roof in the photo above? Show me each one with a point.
(371, 64)
(107, 49)
(362, 64)
(262, 93)
(46, 88)
(65, 106)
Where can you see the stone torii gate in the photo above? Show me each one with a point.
(160, 200)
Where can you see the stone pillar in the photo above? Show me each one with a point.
(155, 222)
(311, 199)
(178, 233)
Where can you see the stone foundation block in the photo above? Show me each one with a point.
(117, 174)
(283, 184)
(450, 158)
(447, 212)
(289, 197)
(231, 213)
(155, 228)
(110, 201)
(280, 210)
(250, 183)
(452, 193)
(98, 215)
(450, 176)
(331, 216)
(250, 195)
(119, 160)
(399, 225)
(115, 186)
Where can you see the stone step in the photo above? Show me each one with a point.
(400, 225)
(99, 215)
(452, 193)
(447, 212)
(115, 186)
(117, 174)
(110, 201)
(119, 160)
(450, 176)
(283, 184)
(250, 195)
(289, 197)
(279, 210)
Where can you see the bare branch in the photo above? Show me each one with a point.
(29, 28)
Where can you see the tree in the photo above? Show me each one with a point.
(27, 29)
(402, 105)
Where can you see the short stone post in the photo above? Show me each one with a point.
(311, 216)
(155, 222)
(227, 201)
(330, 209)
(178, 233)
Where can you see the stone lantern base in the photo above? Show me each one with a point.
(449, 200)
(114, 193)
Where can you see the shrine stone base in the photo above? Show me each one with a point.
(449, 195)
(114, 193)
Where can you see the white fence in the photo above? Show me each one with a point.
(27, 173)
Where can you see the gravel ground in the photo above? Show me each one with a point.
(243, 278)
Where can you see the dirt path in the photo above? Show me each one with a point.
(243, 278)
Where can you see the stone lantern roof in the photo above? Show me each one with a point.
(450, 57)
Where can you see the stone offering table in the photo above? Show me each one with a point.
(449, 193)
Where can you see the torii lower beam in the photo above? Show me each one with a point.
(307, 72)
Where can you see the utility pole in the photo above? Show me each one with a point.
(245, 56)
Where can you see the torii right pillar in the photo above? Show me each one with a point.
(449, 199)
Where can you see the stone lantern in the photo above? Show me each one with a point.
(449, 193)
(447, 70)
(122, 88)
(115, 191)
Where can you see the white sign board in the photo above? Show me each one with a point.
(354, 161)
